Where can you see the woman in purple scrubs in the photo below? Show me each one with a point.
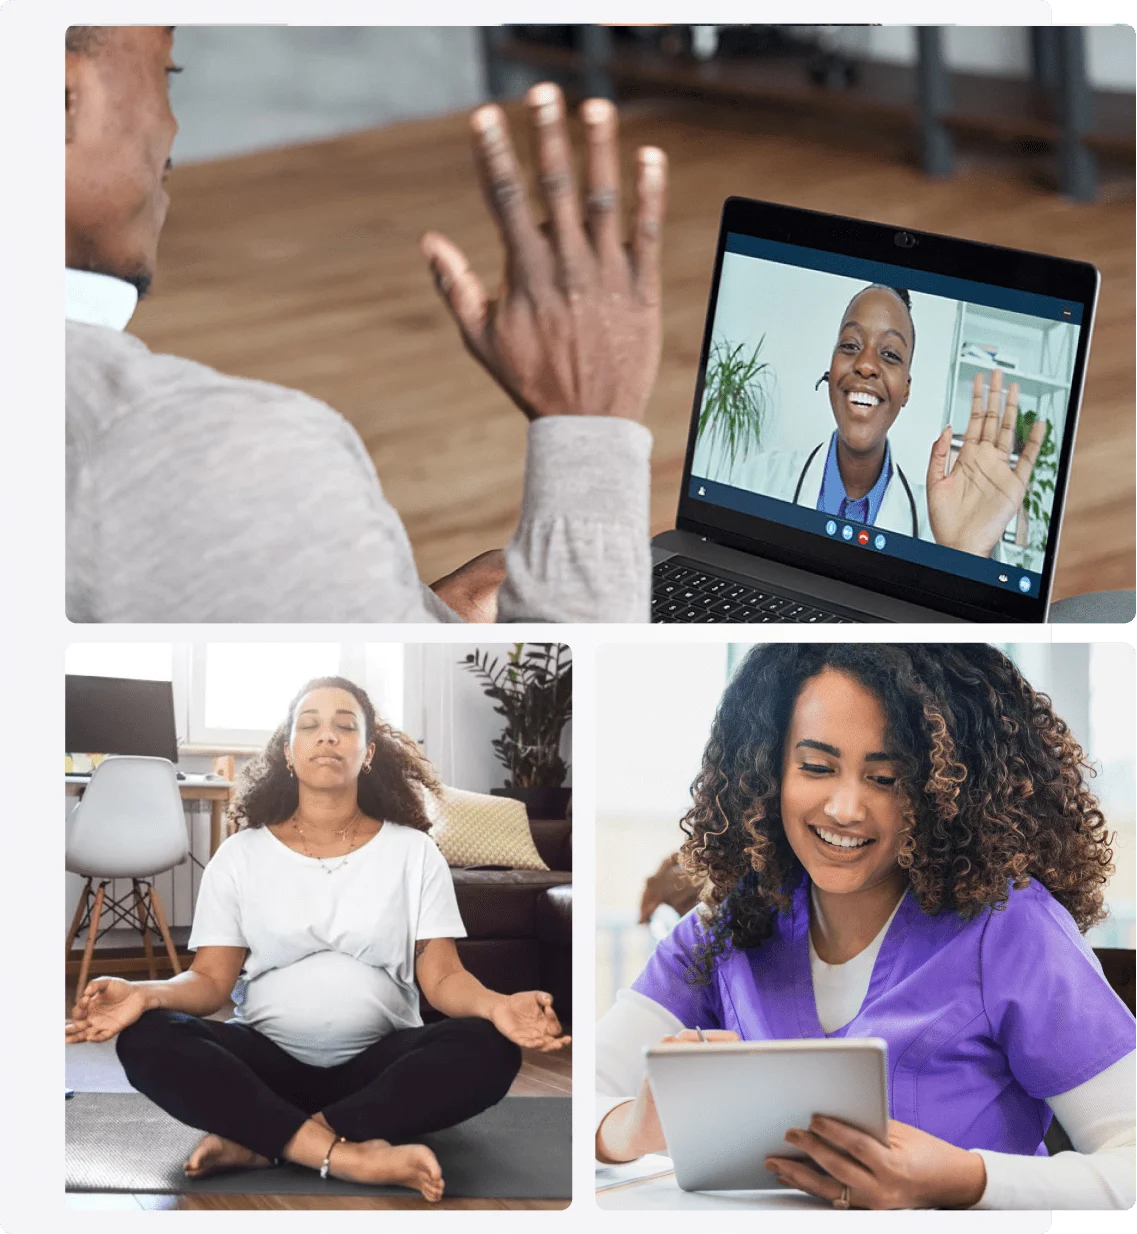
(897, 842)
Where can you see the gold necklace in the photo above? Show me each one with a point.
(343, 836)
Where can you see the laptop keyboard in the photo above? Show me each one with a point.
(684, 591)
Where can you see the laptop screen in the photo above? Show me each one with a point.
(867, 403)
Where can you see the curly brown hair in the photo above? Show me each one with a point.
(992, 786)
(393, 791)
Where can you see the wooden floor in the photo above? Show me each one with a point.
(541, 1075)
(300, 266)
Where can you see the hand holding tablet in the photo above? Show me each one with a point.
(853, 1170)
(724, 1107)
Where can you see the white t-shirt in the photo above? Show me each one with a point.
(330, 967)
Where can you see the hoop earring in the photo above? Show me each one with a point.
(821, 380)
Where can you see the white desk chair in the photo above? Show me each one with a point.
(129, 823)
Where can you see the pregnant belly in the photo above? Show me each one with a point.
(327, 1007)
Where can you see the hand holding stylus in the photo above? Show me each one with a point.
(633, 1129)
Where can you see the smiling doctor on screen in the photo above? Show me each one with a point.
(852, 474)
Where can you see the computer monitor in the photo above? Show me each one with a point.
(119, 715)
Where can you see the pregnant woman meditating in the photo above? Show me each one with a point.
(333, 900)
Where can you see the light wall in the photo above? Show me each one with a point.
(1005, 51)
(248, 88)
(455, 720)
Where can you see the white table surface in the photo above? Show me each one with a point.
(649, 1183)
(663, 1192)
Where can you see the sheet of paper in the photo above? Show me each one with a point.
(649, 1166)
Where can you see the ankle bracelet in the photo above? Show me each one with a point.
(339, 1139)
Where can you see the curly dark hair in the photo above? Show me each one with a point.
(392, 791)
(992, 786)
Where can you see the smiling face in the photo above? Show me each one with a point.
(869, 378)
(120, 131)
(840, 807)
(327, 745)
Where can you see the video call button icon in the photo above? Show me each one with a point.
(846, 532)
(1024, 584)
(880, 541)
(831, 528)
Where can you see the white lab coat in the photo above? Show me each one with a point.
(782, 473)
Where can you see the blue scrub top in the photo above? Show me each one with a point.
(834, 500)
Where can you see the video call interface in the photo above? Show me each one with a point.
(830, 380)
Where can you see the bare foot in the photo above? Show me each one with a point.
(377, 1161)
(215, 1153)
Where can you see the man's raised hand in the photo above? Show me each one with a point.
(575, 328)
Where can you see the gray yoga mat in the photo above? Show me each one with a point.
(520, 1149)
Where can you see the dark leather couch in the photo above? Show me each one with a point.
(519, 922)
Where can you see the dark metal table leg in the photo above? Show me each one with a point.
(496, 70)
(1044, 55)
(1077, 167)
(934, 89)
(595, 46)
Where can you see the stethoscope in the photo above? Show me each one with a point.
(899, 472)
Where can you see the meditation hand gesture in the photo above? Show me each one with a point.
(528, 1020)
(969, 508)
(104, 1009)
(575, 329)
(914, 1170)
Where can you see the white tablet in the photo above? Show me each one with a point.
(726, 1106)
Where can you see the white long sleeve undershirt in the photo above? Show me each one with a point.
(1097, 1115)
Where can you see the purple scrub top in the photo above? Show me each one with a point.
(984, 1018)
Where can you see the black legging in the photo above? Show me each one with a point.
(232, 1080)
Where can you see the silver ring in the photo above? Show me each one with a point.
(843, 1200)
(602, 200)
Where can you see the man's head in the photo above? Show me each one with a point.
(119, 134)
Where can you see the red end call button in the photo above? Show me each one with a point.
(862, 537)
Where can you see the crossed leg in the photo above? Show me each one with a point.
(257, 1103)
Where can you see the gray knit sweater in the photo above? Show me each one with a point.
(193, 496)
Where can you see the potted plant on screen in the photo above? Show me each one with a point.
(736, 399)
(532, 689)
(1040, 492)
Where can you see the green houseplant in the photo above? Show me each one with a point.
(736, 398)
(532, 689)
(1040, 491)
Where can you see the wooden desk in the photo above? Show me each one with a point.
(217, 792)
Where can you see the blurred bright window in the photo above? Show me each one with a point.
(138, 661)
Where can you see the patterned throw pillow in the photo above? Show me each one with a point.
(474, 829)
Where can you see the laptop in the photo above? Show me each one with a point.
(833, 405)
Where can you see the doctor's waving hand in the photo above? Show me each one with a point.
(971, 505)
